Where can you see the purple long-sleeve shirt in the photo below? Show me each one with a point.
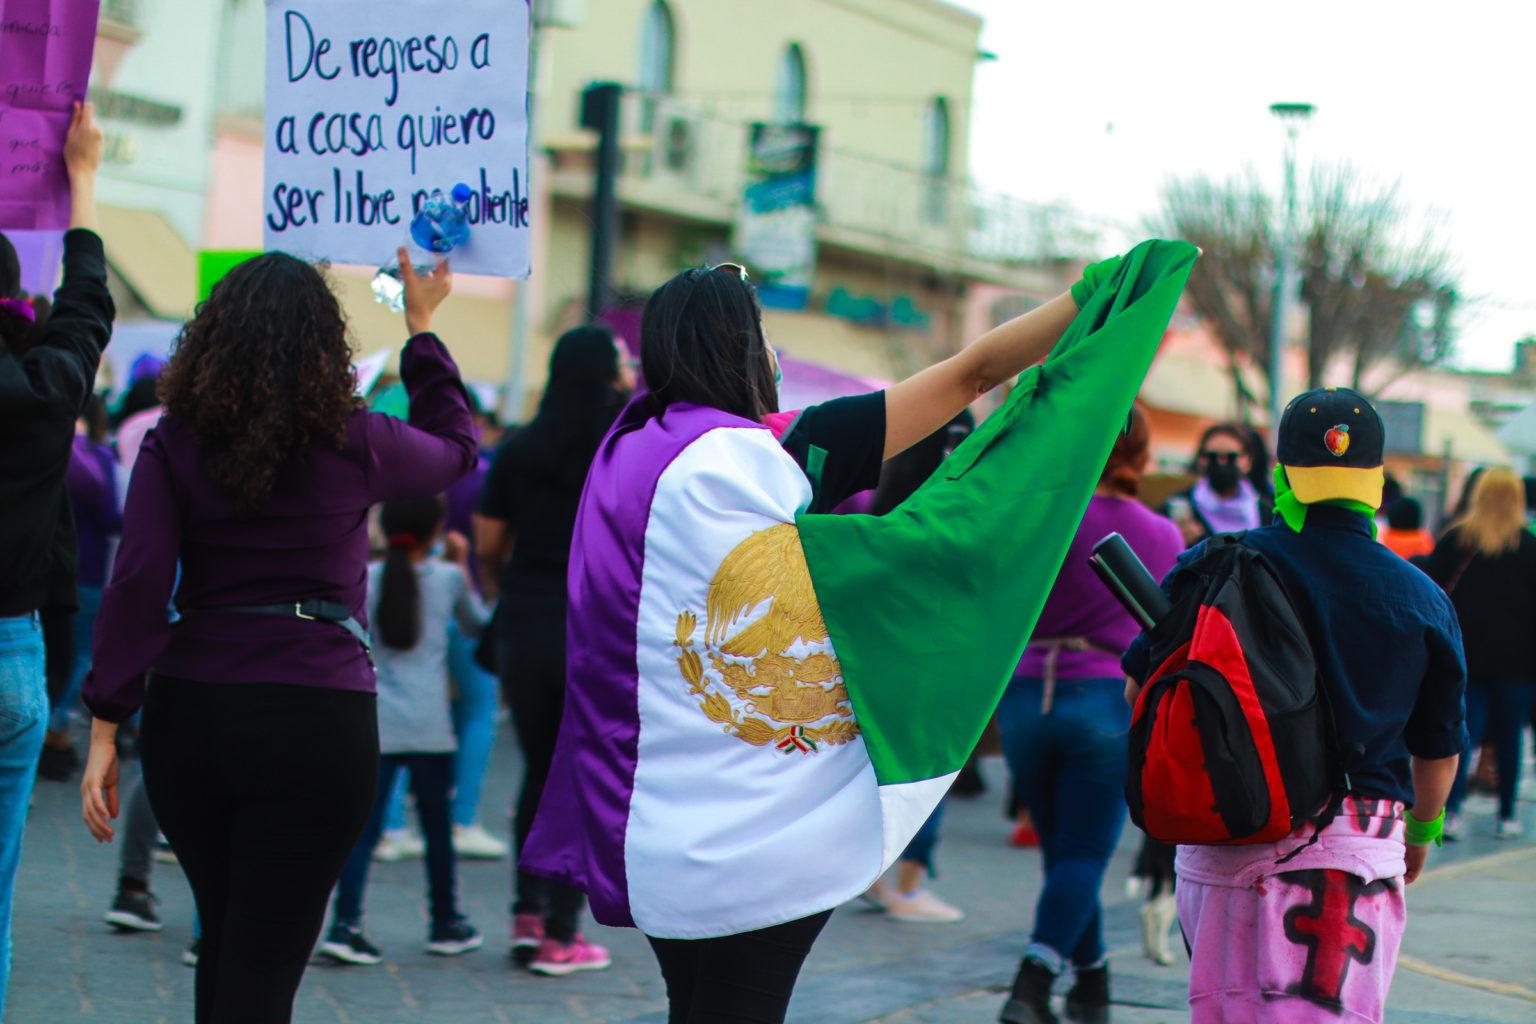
(1081, 606)
(92, 486)
(310, 540)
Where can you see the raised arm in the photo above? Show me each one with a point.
(930, 398)
(437, 445)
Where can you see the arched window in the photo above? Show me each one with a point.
(656, 52)
(936, 146)
(789, 90)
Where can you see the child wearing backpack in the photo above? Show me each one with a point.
(412, 598)
(1297, 722)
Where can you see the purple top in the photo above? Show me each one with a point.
(92, 484)
(1081, 606)
(310, 540)
(464, 498)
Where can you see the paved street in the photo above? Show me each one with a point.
(1467, 957)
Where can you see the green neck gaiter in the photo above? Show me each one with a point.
(1294, 511)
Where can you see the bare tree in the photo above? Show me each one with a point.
(1375, 294)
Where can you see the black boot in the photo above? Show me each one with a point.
(1030, 1002)
(1088, 1001)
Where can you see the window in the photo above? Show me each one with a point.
(936, 145)
(789, 91)
(656, 51)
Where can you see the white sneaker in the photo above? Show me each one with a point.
(1508, 828)
(400, 844)
(920, 906)
(473, 842)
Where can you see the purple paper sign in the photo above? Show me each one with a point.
(41, 253)
(45, 65)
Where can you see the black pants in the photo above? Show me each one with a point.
(532, 660)
(736, 979)
(262, 790)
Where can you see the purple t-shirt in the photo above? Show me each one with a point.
(310, 540)
(1081, 606)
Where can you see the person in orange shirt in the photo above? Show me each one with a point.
(1405, 534)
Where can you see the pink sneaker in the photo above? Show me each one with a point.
(557, 959)
(527, 934)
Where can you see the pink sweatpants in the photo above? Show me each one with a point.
(1315, 945)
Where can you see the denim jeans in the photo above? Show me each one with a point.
(431, 778)
(1497, 710)
(474, 724)
(83, 626)
(1069, 766)
(23, 719)
(921, 848)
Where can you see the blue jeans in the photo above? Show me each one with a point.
(23, 719)
(1069, 766)
(474, 724)
(431, 779)
(920, 849)
(83, 626)
(1497, 710)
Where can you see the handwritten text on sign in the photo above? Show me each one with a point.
(362, 126)
(45, 62)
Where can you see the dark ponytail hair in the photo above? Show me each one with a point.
(409, 524)
(701, 341)
(580, 403)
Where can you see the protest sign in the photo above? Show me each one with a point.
(42, 257)
(370, 108)
(45, 63)
(776, 225)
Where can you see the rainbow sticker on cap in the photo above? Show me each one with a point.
(1337, 440)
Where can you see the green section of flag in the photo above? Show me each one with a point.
(213, 264)
(930, 606)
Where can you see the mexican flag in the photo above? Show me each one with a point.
(763, 705)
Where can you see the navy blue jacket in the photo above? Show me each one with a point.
(1386, 638)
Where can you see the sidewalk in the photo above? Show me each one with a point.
(1470, 953)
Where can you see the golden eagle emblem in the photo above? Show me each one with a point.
(756, 686)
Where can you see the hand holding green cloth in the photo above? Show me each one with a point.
(1094, 276)
(930, 606)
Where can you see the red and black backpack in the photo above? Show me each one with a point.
(1231, 739)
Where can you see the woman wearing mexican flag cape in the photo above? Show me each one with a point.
(765, 701)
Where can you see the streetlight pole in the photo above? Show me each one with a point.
(1292, 116)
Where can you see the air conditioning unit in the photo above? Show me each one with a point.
(677, 142)
(560, 13)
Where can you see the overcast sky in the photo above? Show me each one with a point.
(1097, 104)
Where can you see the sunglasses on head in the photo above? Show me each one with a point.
(693, 279)
(1230, 458)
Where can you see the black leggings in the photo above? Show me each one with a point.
(532, 659)
(262, 789)
(736, 979)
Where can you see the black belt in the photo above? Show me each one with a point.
(313, 609)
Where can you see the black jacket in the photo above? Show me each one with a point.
(41, 396)
(1495, 599)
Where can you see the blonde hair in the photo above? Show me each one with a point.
(1495, 517)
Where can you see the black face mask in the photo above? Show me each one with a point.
(1222, 476)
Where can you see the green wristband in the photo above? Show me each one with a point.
(1424, 833)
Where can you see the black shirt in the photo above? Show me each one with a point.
(840, 445)
(41, 396)
(1495, 599)
(539, 505)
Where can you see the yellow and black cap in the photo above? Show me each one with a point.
(1331, 444)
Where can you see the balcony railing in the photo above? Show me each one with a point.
(695, 162)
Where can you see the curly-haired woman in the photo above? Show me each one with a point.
(259, 732)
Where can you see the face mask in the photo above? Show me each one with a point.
(1223, 476)
(778, 382)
